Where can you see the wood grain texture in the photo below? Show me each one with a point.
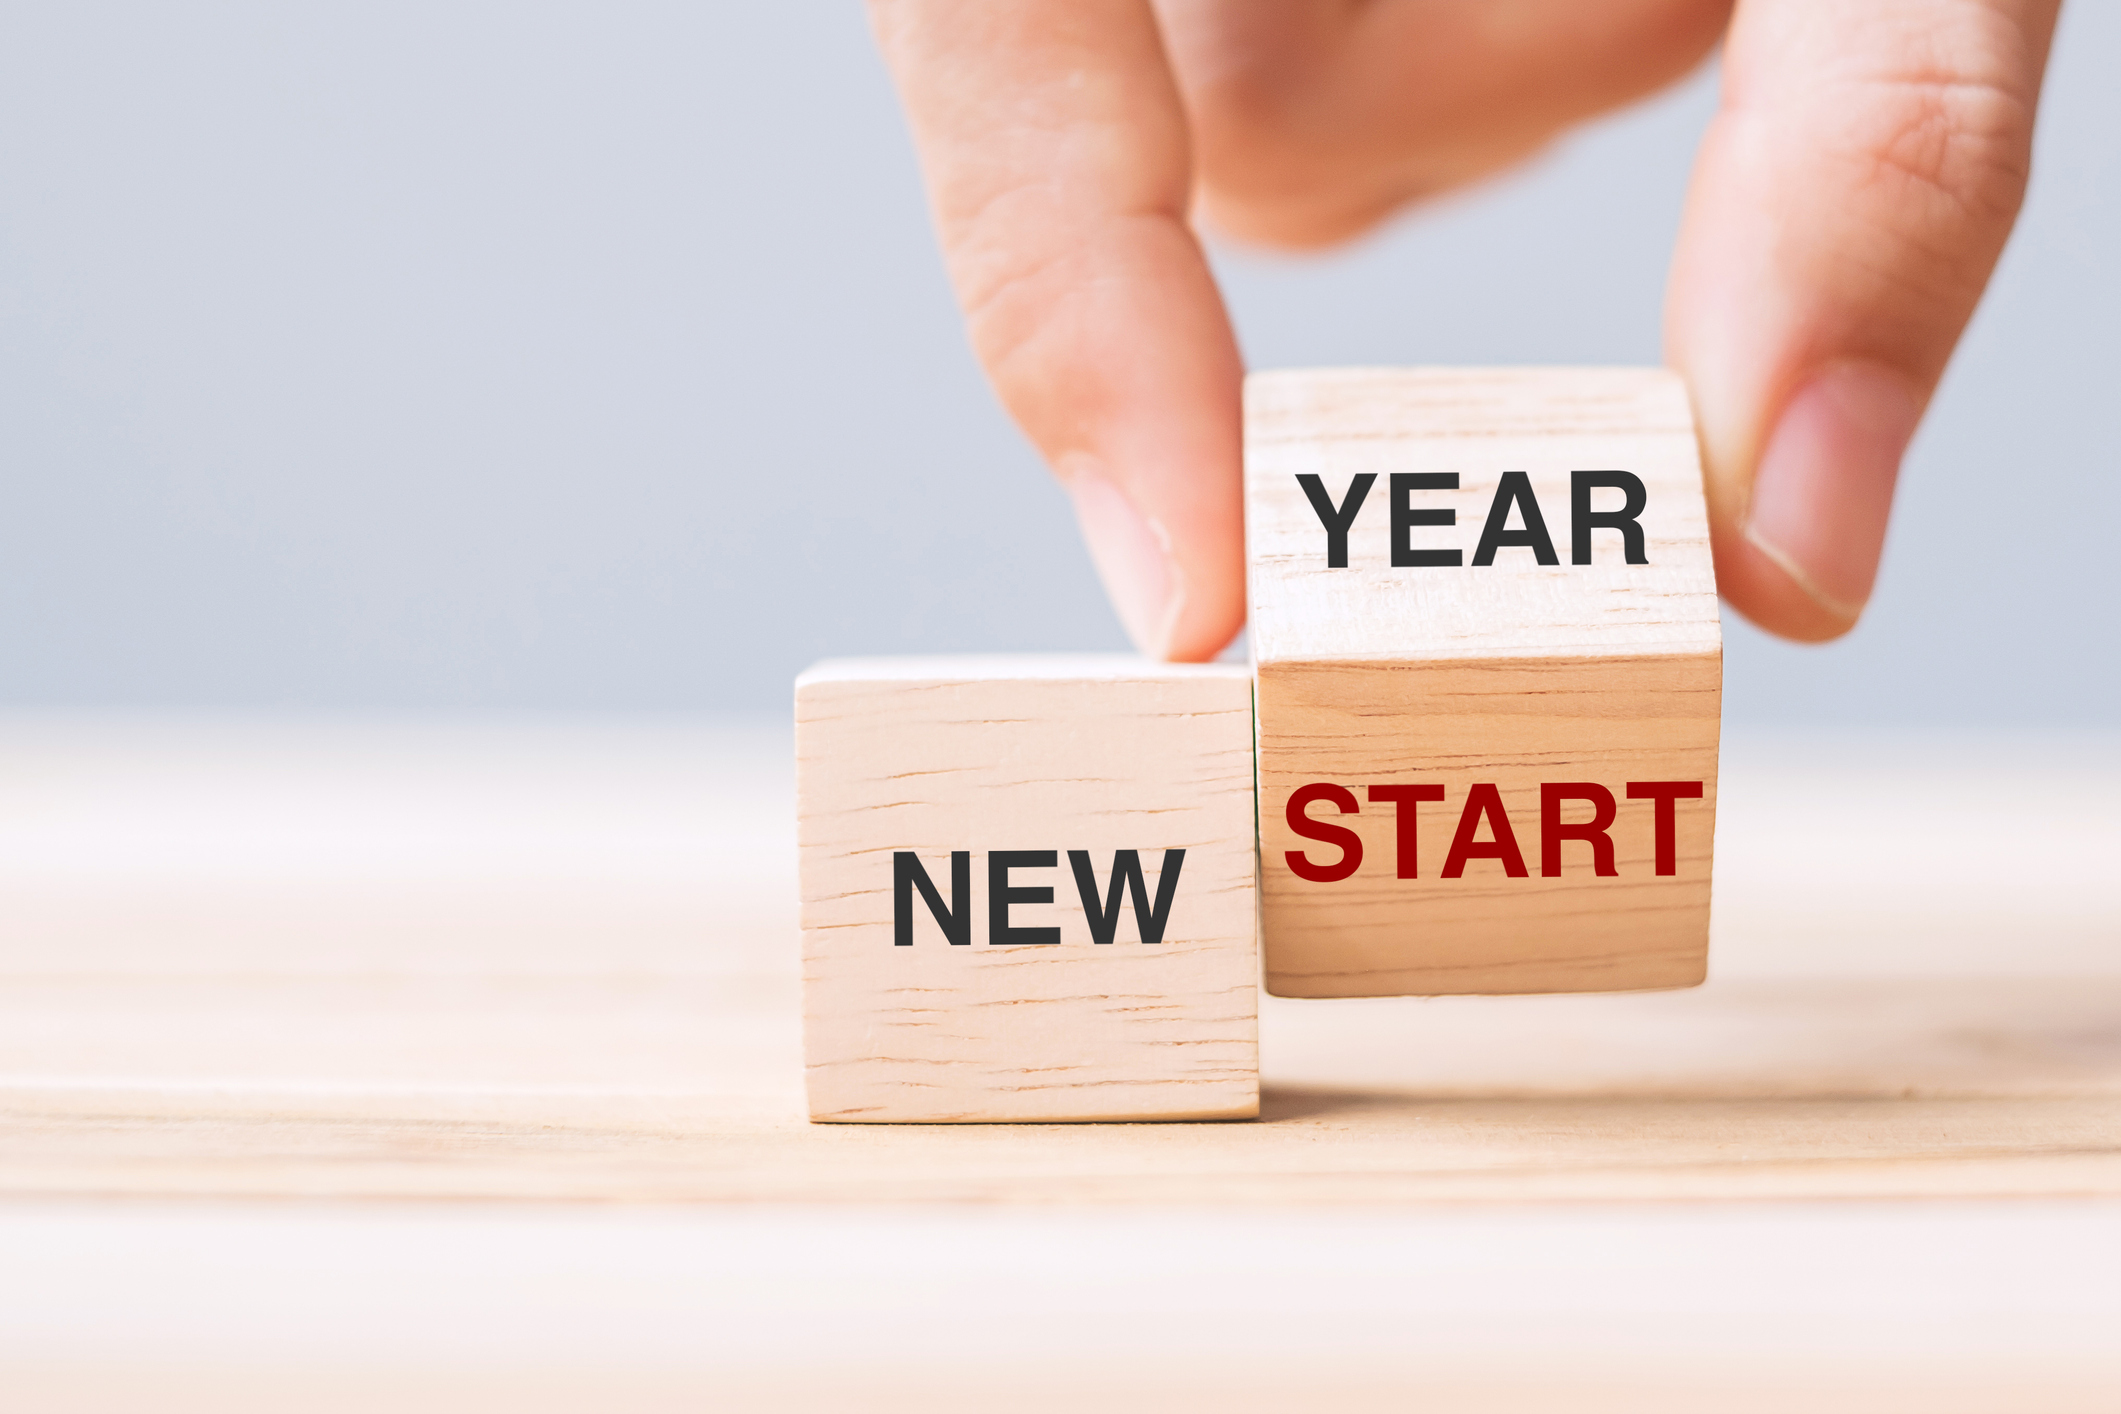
(1062, 754)
(1896, 1059)
(1477, 423)
(687, 1090)
(1512, 675)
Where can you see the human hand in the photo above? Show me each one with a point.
(1847, 208)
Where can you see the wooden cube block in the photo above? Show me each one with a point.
(1489, 680)
(1028, 889)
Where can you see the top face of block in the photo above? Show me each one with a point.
(1028, 889)
(999, 668)
(1477, 425)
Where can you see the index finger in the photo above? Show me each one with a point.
(1059, 167)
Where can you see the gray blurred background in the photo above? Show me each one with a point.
(500, 356)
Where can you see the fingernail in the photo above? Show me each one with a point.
(1133, 557)
(1824, 487)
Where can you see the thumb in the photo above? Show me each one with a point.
(1849, 204)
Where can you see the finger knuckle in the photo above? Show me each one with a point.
(1957, 145)
(1012, 279)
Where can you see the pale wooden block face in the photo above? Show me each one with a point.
(1484, 682)
(1080, 756)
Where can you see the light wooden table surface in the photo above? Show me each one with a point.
(550, 966)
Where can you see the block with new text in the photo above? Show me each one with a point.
(1027, 889)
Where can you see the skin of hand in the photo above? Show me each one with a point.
(1848, 204)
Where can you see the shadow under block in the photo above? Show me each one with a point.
(1042, 802)
(1525, 703)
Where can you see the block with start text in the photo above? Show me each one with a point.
(1028, 889)
(1489, 680)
